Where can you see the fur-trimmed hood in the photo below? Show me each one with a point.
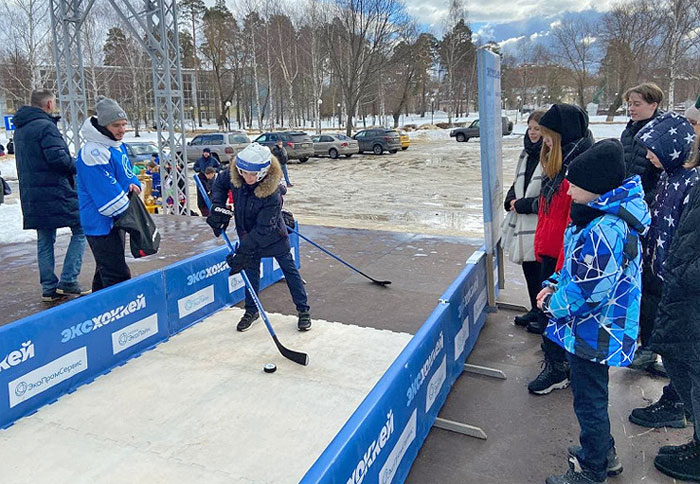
(267, 186)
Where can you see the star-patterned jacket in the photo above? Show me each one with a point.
(594, 309)
(670, 137)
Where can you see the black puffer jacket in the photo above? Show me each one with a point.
(257, 211)
(46, 171)
(636, 162)
(677, 328)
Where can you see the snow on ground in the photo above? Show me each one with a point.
(8, 169)
(11, 231)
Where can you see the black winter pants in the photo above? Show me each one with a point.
(533, 273)
(110, 262)
(552, 351)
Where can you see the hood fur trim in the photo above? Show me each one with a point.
(267, 186)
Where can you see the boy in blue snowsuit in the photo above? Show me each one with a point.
(105, 178)
(593, 302)
(257, 201)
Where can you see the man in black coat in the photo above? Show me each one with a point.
(46, 172)
(676, 336)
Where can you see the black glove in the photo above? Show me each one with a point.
(218, 218)
(288, 219)
(239, 261)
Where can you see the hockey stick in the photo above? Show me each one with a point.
(295, 356)
(375, 281)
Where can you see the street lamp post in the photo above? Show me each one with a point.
(320, 101)
(194, 125)
(518, 109)
(339, 115)
(432, 109)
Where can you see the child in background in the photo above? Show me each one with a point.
(593, 302)
(207, 178)
(154, 171)
(668, 141)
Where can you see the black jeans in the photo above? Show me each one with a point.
(552, 351)
(532, 270)
(589, 386)
(110, 262)
(291, 276)
(651, 298)
(685, 379)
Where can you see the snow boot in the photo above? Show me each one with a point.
(247, 320)
(304, 323)
(613, 462)
(677, 449)
(527, 318)
(537, 326)
(573, 477)
(684, 466)
(666, 412)
(554, 376)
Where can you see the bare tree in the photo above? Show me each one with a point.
(193, 10)
(455, 48)
(356, 39)
(574, 47)
(630, 32)
(24, 39)
(683, 29)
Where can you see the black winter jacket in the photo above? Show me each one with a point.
(46, 171)
(636, 162)
(281, 154)
(677, 329)
(256, 210)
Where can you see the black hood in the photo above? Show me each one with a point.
(27, 114)
(570, 121)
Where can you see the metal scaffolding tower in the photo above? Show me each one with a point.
(155, 27)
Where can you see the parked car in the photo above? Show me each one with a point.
(378, 140)
(140, 152)
(472, 131)
(297, 143)
(223, 146)
(405, 140)
(335, 145)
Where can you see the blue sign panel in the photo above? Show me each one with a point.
(9, 125)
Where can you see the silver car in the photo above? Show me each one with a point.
(223, 146)
(334, 145)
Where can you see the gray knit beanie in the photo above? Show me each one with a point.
(108, 111)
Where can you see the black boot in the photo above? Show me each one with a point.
(537, 326)
(684, 466)
(573, 477)
(667, 412)
(247, 320)
(304, 323)
(614, 466)
(554, 376)
(528, 317)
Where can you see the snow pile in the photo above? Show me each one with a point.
(8, 169)
(430, 134)
(11, 231)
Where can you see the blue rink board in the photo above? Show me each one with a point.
(380, 441)
(51, 353)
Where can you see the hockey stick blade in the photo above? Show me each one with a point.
(295, 356)
(374, 281)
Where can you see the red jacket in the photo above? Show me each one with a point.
(551, 223)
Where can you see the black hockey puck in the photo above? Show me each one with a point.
(270, 368)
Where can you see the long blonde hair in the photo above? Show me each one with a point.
(551, 158)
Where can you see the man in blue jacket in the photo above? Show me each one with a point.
(105, 178)
(46, 172)
(206, 161)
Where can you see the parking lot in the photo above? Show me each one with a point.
(433, 187)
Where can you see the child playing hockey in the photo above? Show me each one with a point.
(255, 184)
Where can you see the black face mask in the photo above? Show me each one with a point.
(582, 215)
